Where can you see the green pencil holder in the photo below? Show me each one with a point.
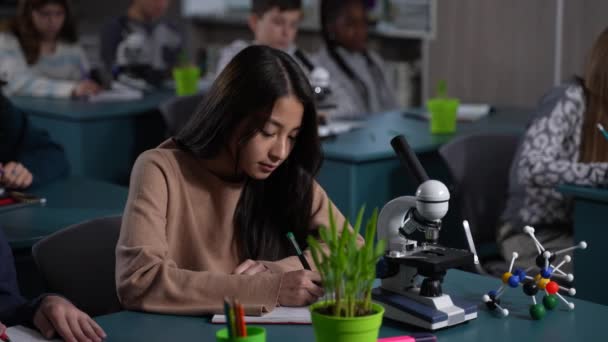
(443, 113)
(186, 80)
(254, 334)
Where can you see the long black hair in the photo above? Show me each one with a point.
(330, 11)
(244, 94)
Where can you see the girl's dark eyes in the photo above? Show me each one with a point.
(267, 134)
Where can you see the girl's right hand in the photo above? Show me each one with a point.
(299, 288)
(86, 88)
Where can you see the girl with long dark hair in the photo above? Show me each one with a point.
(562, 145)
(208, 211)
(40, 54)
(355, 70)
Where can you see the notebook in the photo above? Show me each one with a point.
(338, 127)
(117, 92)
(20, 333)
(466, 112)
(280, 315)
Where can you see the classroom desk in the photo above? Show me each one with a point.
(590, 206)
(69, 201)
(585, 323)
(361, 167)
(101, 140)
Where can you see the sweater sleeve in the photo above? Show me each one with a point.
(320, 217)
(146, 276)
(30, 146)
(21, 79)
(14, 309)
(550, 150)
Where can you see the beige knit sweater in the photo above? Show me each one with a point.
(176, 251)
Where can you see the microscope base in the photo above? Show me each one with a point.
(437, 313)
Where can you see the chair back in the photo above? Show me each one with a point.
(79, 263)
(177, 111)
(479, 165)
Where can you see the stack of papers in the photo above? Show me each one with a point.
(472, 112)
(117, 92)
(280, 315)
(466, 112)
(338, 127)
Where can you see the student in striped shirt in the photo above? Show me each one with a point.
(40, 55)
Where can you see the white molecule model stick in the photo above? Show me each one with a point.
(581, 245)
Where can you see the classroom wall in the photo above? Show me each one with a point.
(493, 51)
(508, 52)
(584, 20)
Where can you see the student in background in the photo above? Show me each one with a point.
(28, 157)
(274, 23)
(208, 211)
(52, 315)
(141, 42)
(351, 65)
(40, 55)
(561, 146)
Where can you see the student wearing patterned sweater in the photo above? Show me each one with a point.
(40, 55)
(561, 146)
(208, 211)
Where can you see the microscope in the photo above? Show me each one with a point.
(411, 225)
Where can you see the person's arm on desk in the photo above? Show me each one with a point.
(549, 155)
(148, 279)
(51, 314)
(320, 217)
(27, 149)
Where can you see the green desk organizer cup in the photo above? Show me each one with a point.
(443, 113)
(254, 334)
(186, 80)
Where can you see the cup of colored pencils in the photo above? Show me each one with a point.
(236, 329)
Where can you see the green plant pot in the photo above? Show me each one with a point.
(342, 329)
(443, 114)
(186, 80)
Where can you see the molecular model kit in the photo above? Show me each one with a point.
(541, 281)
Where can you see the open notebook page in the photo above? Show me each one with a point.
(20, 333)
(280, 315)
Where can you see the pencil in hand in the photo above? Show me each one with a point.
(303, 260)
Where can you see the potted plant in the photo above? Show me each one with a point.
(348, 272)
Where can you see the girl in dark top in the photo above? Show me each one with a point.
(28, 157)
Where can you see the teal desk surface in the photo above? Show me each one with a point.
(585, 323)
(69, 201)
(82, 110)
(372, 141)
(590, 207)
(585, 192)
